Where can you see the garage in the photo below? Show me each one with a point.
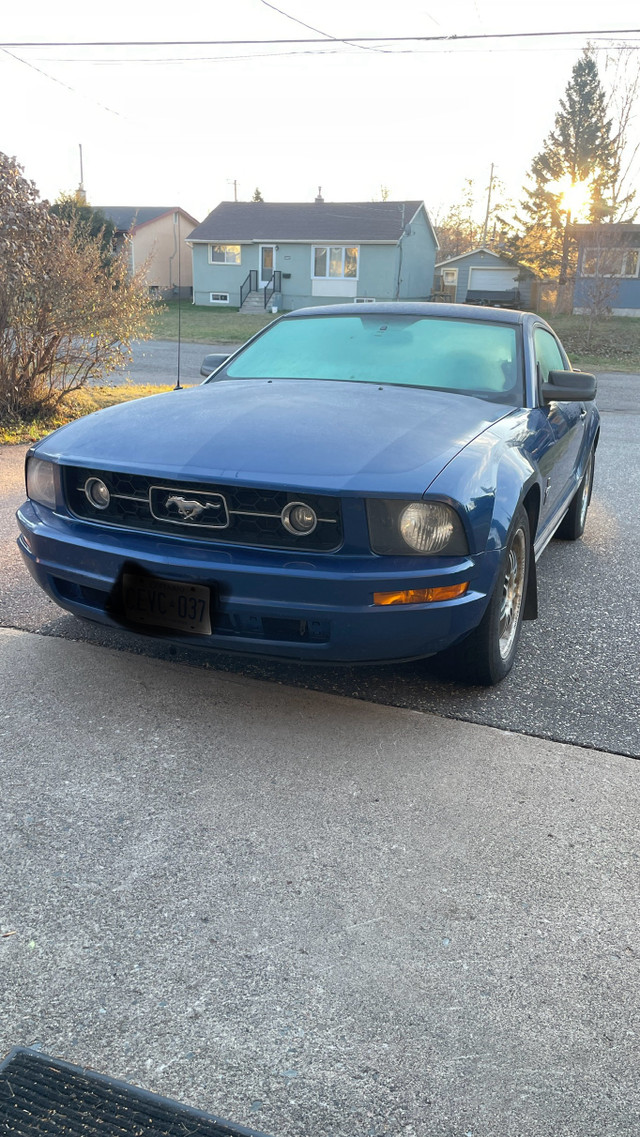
(484, 277)
(493, 279)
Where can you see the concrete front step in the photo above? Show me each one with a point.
(254, 303)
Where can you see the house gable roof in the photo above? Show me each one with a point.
(129, 218)
(489, 252)
(470, 253)
(307, 221)
(609, 231)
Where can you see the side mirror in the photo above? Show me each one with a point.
(212, 363)
(569, 387)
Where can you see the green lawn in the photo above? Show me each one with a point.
(614, 344)
(205, 325)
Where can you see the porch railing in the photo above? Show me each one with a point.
(274, 285)
(249, 285)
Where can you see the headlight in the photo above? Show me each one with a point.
(427, 526)
(430, 528)
(41, 486)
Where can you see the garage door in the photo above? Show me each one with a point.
(492, 279)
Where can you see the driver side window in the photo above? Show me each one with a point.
(548, 355)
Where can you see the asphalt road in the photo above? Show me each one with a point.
(577, 677)
(160, 361)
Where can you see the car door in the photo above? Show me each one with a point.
(566, 425)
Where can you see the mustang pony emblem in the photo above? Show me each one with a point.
(188, 507)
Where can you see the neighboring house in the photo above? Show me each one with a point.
(608, 270)
(486, 277)
(313, 253)
(156, 237)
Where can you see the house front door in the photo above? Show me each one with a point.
(267, 263)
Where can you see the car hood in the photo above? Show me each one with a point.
(314, 434)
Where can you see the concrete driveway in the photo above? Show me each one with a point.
(312, 915)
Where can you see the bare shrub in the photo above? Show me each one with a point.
(65, 315)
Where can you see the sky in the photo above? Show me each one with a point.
(169, 125)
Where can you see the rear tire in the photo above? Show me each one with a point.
(487, 655)
(572, 525)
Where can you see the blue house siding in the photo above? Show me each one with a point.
(483, 259)
(376, 276)
(382, 274)
(624, 299)
(208, 278)
(388, 269)
(378, 273)
(620, 294)
(417, 257)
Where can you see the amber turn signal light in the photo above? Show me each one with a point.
(421, 595)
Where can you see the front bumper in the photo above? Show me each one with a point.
(318, 607)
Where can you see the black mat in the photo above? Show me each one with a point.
(41, 1095)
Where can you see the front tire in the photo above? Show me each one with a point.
(486, 656)
(572, 525)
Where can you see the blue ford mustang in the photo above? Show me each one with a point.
(352, 485)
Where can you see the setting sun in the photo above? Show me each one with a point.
(575, 197)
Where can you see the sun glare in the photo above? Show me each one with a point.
(575, 197)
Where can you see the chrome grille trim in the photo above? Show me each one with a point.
(236, 512)
(261, 527)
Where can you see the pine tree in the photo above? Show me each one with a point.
(257, 196)
(578, 152)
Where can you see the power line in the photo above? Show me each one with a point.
(295, 20)
(45, 74)
(319, 54)
(448, 39)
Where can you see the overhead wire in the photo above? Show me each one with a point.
(288, 16)
(449, 39)
(73, 90)
(189, 59)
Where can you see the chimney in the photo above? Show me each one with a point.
(319, 199)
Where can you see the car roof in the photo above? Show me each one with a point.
(416, 308)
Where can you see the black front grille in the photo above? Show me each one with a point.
(238, 515)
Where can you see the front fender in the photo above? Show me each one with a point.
(491, 477)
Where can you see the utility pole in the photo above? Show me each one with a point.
(234, 183)
(486, 219)
(564, 264)
(80, 193)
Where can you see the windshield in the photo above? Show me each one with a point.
(466, 356)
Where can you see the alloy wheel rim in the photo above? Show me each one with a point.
(512, 593)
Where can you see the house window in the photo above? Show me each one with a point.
(610, 262)
(335, 262)
(450, 280)
(219, 297)
(224, 254)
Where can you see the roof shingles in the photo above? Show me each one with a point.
(128, 217)
(306, 221)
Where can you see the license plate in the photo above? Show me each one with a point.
(167, 604)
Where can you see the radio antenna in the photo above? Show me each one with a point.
(178, 386)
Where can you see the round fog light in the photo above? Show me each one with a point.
(97, 493)
(298, 518)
